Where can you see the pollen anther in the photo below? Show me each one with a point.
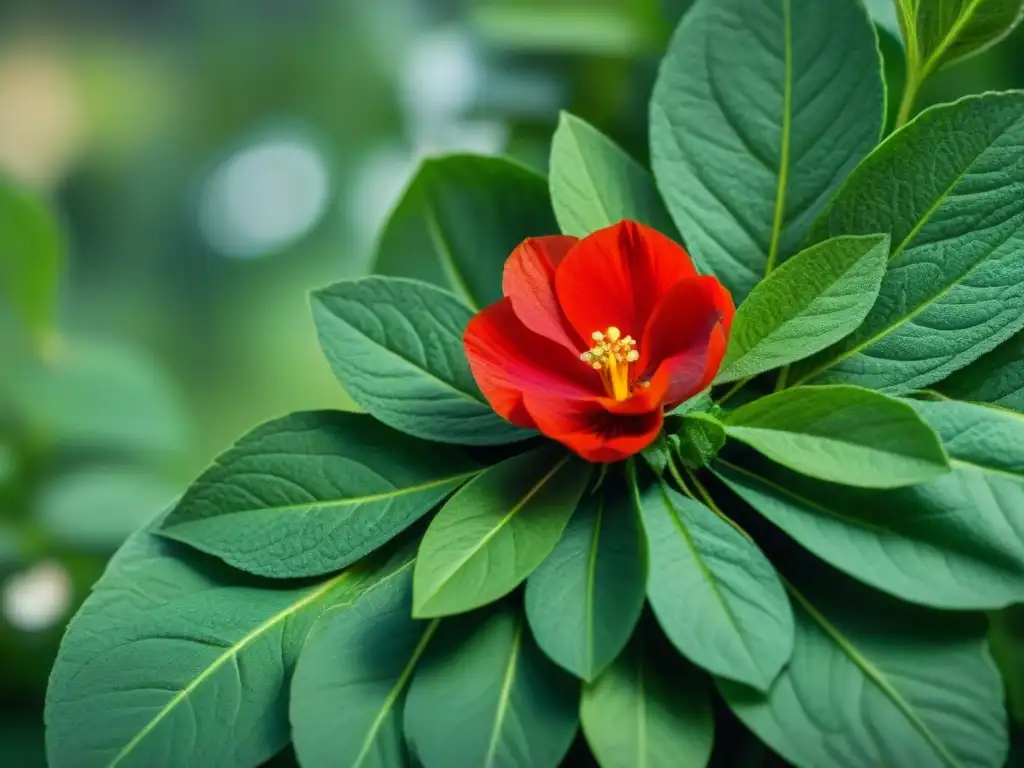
(611, 355)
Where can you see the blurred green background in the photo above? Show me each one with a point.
(209, 163)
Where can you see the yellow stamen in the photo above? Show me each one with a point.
(610, 356)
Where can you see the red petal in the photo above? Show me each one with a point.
(529, 281)
(684, 341)
(617, 276)
(590, 430)
(507, 359)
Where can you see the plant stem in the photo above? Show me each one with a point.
(679, 478)
(780, 383)
(910, 89)
(733, 390)
(710, 503)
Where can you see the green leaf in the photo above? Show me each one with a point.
(313, 492)
(714, 593)
(595, 184)
(1006, 641)
(494, 532)
(876, 682)
(176, 660)
(96, 509)
(560, 29)
(700, 437)
(350, 683)
(945, 188)
(996, 378)
(484, 695)
(883, 13)
(458, 221)
(98, 397)
(842, 434)
(949, 543)
(648, 710)
(755, 121)
(945, 31)
(809, 303)
(31, 258)
(585, 599)
(658, 454)
(396, 347)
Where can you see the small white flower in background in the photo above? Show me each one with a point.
(38, 597)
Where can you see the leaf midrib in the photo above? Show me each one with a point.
(505, 695)
(591, 580)
(787, 120)
(445, 254)
(876, 676)
(229, 653)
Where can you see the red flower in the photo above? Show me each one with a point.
(596, 336)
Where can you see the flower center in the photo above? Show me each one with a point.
(610, 356)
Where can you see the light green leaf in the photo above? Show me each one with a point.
(31, 259)
(313, 492)
(649, 709)
(485, 696)
(876, 682)
(97, 508)
(949, 543)
(996, 378)
(945, 188)
(176, 660)
(883, 13)
(585, 599)
(494, 532)
(699, 439)
(561, 29)
(812, 301)
(458, 221)
(98, 397)
(396, 347)
(842, 434)
(350, 683)
(595, 184)
(755, 121)
(714, 593)
(944, 31)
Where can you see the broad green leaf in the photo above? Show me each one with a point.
(812, 301)
(396, 347)
(590, 29)
(313, 492)
(699, 439)
(1006, 641)
(495, 531)
(98, 397)
(177, 660)
(945, 188)
(714, 593)
(949, 543)
(943, 31)
(585, 599)
(649, 711)
(350, 683)
(31, 258)
(996, 378)
(842, 434)
(458, 221)
(485, 696)
(97, 508)
(595, 184)
(876, 682)
(761, 108)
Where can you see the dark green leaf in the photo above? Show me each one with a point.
(949, 543)
(595, 184)
(99, 507)
(648, 711)
(396, 347)
(313, 492)
(944, 31)
(945, 187)
(1006, 641)
(31, 257)
(485, 696)
(700, 438)
(883, 13)
(715, 594)
(812, 301)
(996, 378)
(585, 599)
(658, 454)
(494, 532)
(760, 110)
(876, 682)
(458, 221)
(842, 434)
(350, 683)
(175, 660)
